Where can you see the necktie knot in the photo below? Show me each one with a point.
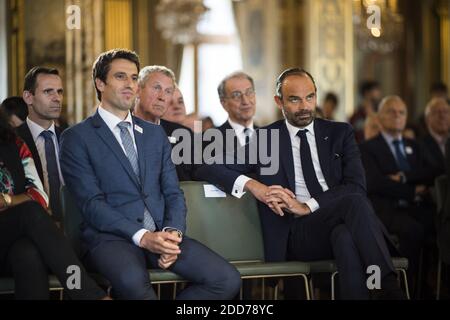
(302, 133)
(396, 142)
(124, 125)
(47, 134)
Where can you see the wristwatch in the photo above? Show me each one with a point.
(7, 199)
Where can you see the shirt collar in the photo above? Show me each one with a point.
(36, 129)
(239, 128)
(111, 119)
(294, 130)
(439, 139)
(389, 138)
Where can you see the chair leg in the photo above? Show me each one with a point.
(333, 277)
(405, 281)
(174, 294)
(263, 291)
(311, 288)
(306, 282)
(275, 292)
(241, 294)
(159, 291)
(438, 283)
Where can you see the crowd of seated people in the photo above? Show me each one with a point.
(378, 164)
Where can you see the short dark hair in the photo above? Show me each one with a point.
(102, 65)
(330, 96)
(438, 87)
(15, 106)
(367, 86)
(30, 82)
(290, 72)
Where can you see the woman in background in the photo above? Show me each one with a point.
(30, 243)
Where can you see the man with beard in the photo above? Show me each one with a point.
(314, 207)
(43, 93)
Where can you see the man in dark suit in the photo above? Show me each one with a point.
(237, 96)
(43, 93)
(157, 85)
(398, 182)
(313, 206)
(437, 118)
(119, 170)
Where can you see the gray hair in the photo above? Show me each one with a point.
(148, 70)
(432, 103)
(234, 75)
(387, 100)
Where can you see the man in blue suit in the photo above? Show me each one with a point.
(314, 207)
(120, 172)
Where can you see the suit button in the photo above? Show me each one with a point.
(140, 220)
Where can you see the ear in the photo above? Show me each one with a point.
(27, 97)
(100, 85)
(279, 102)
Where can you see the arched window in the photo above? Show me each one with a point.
(206, 62)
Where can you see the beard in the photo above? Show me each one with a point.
(300, 118)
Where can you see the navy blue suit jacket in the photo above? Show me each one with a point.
(110, 196)
(340, 162)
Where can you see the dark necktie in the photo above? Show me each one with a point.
(131, 153)
(402, 162)
(309, 173)
(54, 183)
(247, 133)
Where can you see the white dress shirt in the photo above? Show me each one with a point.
(112, 122)
(390, 141)
(39, 141)
(239, 131)
(301, 191)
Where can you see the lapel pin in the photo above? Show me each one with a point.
(408, 150)
(138, 129)
(326, 138)
(172, 140)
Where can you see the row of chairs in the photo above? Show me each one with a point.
(229, 226)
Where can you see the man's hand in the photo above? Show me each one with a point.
(164, 243)
(396, 177)
(260, 192)
(421, 190)
(281, 200)
(166, 260)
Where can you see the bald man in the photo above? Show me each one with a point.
(397, 181)
(437, 118)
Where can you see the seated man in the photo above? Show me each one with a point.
(437, 118)
(119, 170)
(397, 181)
(155, 93)
(313, 206)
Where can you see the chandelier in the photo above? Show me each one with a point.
(384, 37)
(178, 19)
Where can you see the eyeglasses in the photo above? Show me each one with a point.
(237, 95)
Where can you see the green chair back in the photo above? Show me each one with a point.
(229, 226)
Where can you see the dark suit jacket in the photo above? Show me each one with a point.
(432, 156)
(184, 170)
(109, 195)
(443, 223)
(379, 162)
(341, 166)
(230, 145)
(24, 132)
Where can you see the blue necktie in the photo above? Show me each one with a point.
(54, 183)
(309, 173)
(131, 153)
(402, 162)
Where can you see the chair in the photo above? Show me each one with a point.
(441, 187)
(231, 227)
(72, 220)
